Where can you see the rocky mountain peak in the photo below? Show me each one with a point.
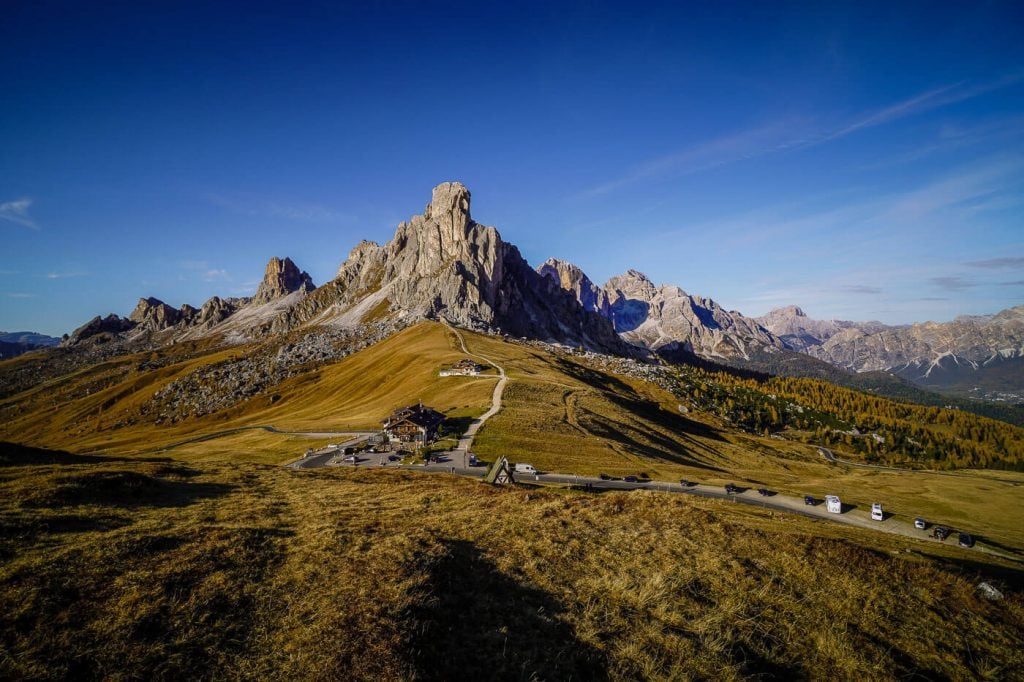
(787, 311)
(449, 208)
(282, 277)
(571, 278)
(152, 314)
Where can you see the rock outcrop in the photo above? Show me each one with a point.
(443, 264)
(282, 277)
(663, 318)
(575, 281)
(100, 329)
(800, 332)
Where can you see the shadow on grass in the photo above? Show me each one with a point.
(13, 454)
(620, 393)
(457, 425)
(475, 623)
(122, 489)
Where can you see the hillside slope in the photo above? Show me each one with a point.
(159, 570)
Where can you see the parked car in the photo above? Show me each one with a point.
(524, 468)
(631, 479)
(393, 458)
(920, 523)
(605, 477)
(808, 500)
(876, 512)
(940, 532)
(351, 458)
(473, 461)
(833, 504)
(730, 488)
(687, 484)
(763, 492)
(965, 540)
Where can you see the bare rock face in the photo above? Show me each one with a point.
(100, 329)
(663, 318)
(574, 280)
(214, 311)
(800, 332)
(282, 277)
(152, 314)
(666, 317)
(443, 264)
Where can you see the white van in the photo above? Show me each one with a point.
(876, 512)
(523, 468)
(833, 504)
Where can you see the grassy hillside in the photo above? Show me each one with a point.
(562, 415)
(147, 569)
(558, 414)
(100, 408)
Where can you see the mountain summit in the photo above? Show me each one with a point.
(445, 265)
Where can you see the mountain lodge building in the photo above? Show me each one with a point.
(414, 424)
(463, 368)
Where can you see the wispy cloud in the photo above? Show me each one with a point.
(17, 212)
(216, 275)
(64, 275)
(995, 263)
(18, 294)
(860, 289)
(1014, 283)
(294, 212)
(933, 298)
(203, 270)
(951, 283)
(788, 135)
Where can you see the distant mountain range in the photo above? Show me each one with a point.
(16, 343)
(444, 265)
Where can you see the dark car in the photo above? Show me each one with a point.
(393, 458)
(687, 484)
(808, 500)
(940, 532)
(763, 492)
(965, 540)
(631, 479)
(605, 477)
(730, 488)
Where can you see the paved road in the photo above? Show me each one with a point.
(324, 456)
(451, 463)
(850, 516)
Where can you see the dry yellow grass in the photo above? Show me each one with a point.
(562, 416)
(136, 569)
(558, 415)
(82, 412)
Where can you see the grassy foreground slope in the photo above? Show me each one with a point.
(124, 568)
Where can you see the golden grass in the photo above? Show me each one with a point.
(562, 416)
(82, 412)
(142, 569)
(557, 415)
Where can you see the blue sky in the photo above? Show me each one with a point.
(862, 160)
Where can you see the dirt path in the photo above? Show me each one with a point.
(466, 441)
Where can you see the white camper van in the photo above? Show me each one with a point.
(876, 512)
(833, 504)
(523, 468)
